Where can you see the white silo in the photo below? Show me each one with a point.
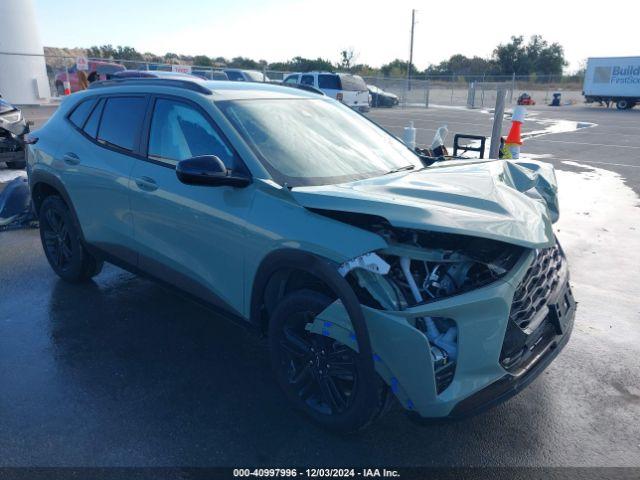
(23, 77)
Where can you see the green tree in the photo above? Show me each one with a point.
(301, 64)
(202, 61)
(462, 65)
(397, 68)
(537, 56)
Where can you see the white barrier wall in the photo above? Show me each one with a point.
(23, 77)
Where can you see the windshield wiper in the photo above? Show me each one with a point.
(400, 169)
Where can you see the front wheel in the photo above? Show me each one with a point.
(319, 375)
(62, 245)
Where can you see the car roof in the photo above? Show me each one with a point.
(216, 90)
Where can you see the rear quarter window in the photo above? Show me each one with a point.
(352, 83)
(121, 121)
(329, 81)
(91, 127)
(81, 112)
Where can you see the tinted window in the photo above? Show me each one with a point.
(237, 76)
(307, 80)
(352, 82)
(121, 121)
(81, 112)
(329, 81)
(291, 79)
(179, 131)
(91, 127)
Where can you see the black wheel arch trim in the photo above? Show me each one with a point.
(38, 177)
(326, 271)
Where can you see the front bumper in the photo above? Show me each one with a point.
(402, 353)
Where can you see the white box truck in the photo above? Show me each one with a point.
(613, 79)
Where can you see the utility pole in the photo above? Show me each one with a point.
(413, 24)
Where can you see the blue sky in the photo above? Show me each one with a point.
(377, 31)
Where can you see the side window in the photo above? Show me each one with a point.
(121, 121)
(307, 80)
(81, 112)
(91, 127)
(179, 131)
(291, 79)
(329, 81)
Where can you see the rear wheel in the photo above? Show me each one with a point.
(623, 104)
(319, 375)
(62, 245)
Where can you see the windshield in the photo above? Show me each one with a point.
(316, 141)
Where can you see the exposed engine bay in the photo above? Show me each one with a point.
(421, 267)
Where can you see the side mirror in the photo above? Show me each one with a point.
(208, 170)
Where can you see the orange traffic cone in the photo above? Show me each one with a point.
(513, 141)
(67, 87)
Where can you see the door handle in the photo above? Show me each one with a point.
(71, 158)
(146, 183)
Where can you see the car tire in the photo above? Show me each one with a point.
(622, 104)
(17, 165)
(62, 244)
(341, 397)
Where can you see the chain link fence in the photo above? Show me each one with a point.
(471, 91)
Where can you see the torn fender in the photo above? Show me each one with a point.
(400, 353)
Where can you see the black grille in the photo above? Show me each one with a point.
(541, 279)
(529, 326)
(444, 376)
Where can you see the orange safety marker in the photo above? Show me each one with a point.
(513, 141)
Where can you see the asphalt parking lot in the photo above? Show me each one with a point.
(121, 372)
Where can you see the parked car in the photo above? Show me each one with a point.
(380, 98)
(373, 275)
(525, 99)
(98, 70)
(346, 88)
(210, 74)
(239, 75)
(13, 129)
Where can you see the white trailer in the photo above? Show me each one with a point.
(613, 79)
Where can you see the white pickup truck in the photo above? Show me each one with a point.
(613, 79)
(349, 89)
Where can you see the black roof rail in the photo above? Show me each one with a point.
(195, 86)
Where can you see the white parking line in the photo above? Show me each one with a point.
(537, 139)
(595, 162)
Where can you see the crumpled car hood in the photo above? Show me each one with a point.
(510, 201)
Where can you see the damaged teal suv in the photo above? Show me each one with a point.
(375, 274)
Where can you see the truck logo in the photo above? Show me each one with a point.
(617, 74)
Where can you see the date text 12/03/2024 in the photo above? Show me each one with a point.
(316, 472)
